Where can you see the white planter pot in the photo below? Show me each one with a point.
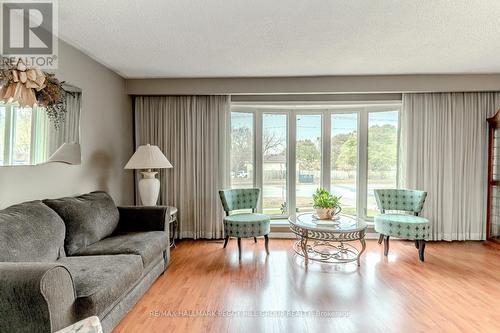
(324, 213)
(327, 213)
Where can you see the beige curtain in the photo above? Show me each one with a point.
(443, 150)
(192, 132)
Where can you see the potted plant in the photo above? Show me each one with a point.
(326, 204)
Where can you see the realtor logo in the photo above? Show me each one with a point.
(29, 33)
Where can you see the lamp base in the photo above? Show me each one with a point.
(149, 188)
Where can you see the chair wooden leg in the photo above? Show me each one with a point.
(386, 245)
(225, 241)
(266, 238)
(421, 249)
(239, 248)
(416, 243)
(380, 238)
(255, 239)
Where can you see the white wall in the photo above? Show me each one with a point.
(106, 139)
(315, 84)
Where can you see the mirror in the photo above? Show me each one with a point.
(29, 137)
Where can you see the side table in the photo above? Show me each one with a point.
(172, 224)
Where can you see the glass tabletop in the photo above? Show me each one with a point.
(343, 223)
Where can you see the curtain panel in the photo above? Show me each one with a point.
(192, 132)
(443, 150)
(70, 129)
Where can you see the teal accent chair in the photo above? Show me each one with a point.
(243, 225)
(406, 226)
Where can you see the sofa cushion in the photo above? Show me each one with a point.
(88, 218)
(101, 281)
(31, 231)
(149, 245)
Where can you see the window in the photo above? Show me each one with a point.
(22, 138)
(291, 150)
(382, 154)
(274, 163)
(344, 159)
(308, 159)
(242, 143)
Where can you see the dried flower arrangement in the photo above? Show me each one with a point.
(32, 87)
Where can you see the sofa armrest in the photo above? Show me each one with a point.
(142, 218)
(35, 297)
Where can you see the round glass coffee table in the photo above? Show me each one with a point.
(328, 241)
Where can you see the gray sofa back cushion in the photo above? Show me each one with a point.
(31, 231)
(88, 218)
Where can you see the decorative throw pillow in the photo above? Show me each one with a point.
(88, 218)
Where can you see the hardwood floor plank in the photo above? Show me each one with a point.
(456, 289)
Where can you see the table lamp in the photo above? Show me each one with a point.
(148, 157)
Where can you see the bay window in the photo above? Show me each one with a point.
(291, 150)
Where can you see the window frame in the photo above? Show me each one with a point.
(326, 110)
(9, 134)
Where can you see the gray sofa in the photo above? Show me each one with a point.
(62, 260)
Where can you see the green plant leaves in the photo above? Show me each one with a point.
(324, 199)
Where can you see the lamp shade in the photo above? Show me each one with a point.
(148, 157)
(69, 152)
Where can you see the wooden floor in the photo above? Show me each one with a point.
(457, 289)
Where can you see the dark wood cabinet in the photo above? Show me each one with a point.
(493, 207)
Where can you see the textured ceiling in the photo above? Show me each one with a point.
(241, 38)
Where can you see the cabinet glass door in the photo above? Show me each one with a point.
(495, 213)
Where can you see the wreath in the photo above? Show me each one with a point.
(32, 87)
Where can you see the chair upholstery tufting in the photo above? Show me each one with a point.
(404, 226)
(398, 199)
(242, 225)
(246, 225)
(236, 199)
